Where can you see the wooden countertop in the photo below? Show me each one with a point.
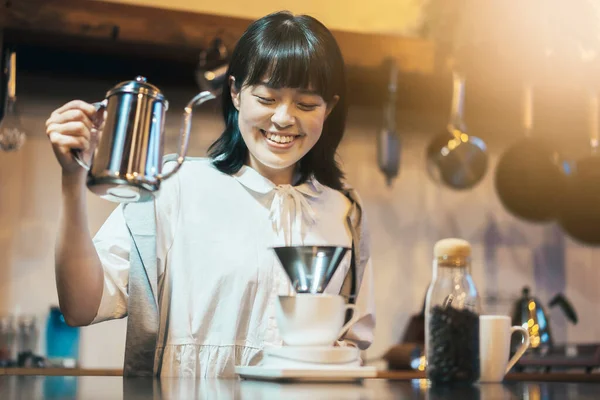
(383, 374)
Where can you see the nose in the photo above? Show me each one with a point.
(283, 117)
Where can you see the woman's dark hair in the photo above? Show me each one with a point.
(291, 51)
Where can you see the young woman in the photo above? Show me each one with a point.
(203, 299)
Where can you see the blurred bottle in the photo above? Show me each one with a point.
(8, 341)
(27, 340)
(62, 340)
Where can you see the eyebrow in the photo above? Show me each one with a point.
(302, 91)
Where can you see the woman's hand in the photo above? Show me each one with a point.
(71, 127)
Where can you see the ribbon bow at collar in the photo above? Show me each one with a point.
(290, 209)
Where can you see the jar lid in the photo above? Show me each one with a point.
(452, 247)
(138, 86)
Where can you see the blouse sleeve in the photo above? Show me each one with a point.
(113, 244)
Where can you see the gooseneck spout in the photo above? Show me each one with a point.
(184, 135)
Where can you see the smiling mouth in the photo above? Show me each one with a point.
(279, 138)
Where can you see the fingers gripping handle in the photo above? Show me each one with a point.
(97, 122)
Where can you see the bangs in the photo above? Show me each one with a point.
(291, 60)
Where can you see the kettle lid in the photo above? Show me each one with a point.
(139, 85)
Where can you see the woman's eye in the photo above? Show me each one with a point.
(264, 100)
(307, 107)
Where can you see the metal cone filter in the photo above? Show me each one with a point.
(310, 268)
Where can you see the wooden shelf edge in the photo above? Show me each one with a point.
(187, 32)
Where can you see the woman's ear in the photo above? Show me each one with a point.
(235, 94)
(331, 104)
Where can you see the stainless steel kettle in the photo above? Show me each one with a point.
(529, 313)
(127, 163)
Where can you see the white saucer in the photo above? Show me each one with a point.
(312, 374)
(314, 355)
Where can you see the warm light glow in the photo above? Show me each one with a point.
(530, 322)
(400, 17)
(464, 137)
(531, 305)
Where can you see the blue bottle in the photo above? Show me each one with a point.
(62, 340)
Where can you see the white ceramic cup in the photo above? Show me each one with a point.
(495, 332)
(312, 319)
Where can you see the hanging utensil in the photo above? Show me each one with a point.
(580, 211)
(4, 51)
(12, 134)
(388, 142)
(528, 175)
(211, 71)
(455, 158)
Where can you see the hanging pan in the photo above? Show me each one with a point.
(580, 211)
(528, 176)
(455, 158)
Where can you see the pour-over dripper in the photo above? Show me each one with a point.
(310, 268)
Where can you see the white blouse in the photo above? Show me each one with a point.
(214, 233)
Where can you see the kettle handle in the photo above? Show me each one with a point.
(185, 131)
(97, 122)
(565, 306)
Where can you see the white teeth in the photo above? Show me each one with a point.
(279, 139)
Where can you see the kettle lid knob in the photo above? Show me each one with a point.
(139, 85)
(525, 291)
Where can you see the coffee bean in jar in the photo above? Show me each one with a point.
(454, 341)
(452, 316)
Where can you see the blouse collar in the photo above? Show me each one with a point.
(290, 208)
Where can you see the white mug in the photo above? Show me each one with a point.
(495, 332)
(312, 319)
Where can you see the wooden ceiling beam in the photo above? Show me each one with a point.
(181, 35)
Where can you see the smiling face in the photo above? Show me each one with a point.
(279, 126)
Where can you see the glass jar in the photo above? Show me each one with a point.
(452, 309)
